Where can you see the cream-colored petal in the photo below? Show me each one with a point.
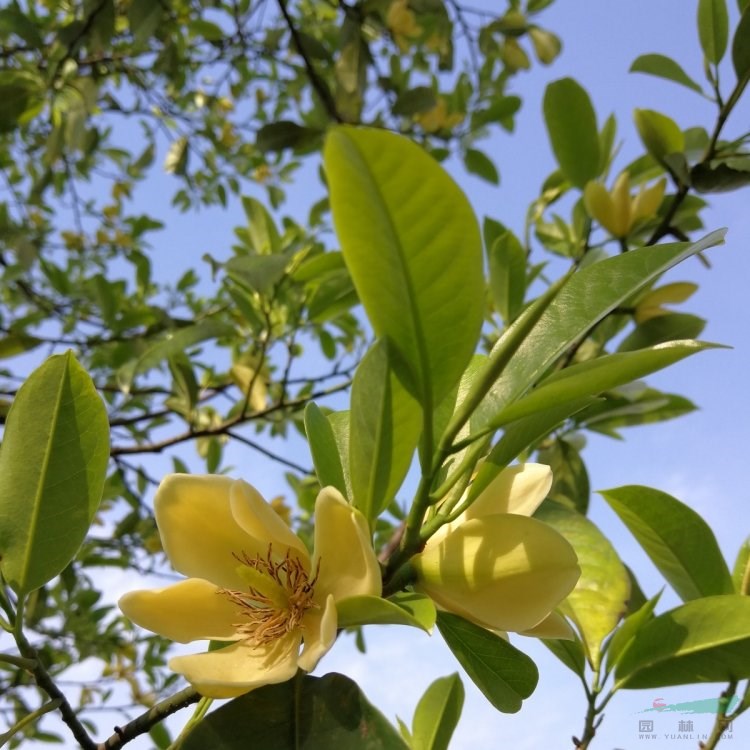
(552, 626)
(504, 572)
(648, 200)
(319, 634)
(263, 524)
(599, 206)
(621, 206)
(190, 610)
(348, 565)
(518, 489)
(239, 668)
(197, 528)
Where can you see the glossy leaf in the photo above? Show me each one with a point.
(505, 675)
(628, 629)
(404, 608)
(713, 28)
(53, 464)
(408, 233)
(664, 67)
(507, 266)
(596, 376)
(741, 570)
(678, 541)
(339, 421)
(706, 640)
(437, 714)
(741, 46)
(386, 424)
(585, 299)
(304, 712)
(572, 130)
(324, 449)
(599, 600)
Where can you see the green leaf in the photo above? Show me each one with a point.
(741, 46)
(437, 714)
(664, 67)
(400, 218)
(339, 421)
(315, 713)
(176, 160)
(207, 29)
(277, 136)
(53, 465)
(507, 266)
(713, 28)
(144, 17)
(572, 130)
(660, 134)
(662, 329)
(478, 163)
(721, 175)
(386, 424)
(14, 21)
(17, 343)
(405, 608)
(741, 570)
(706, 640)
(325, 451)
(21, 98)
(264, 237)
(505, 675)
(629, 627)
(678, 541)
(596, 376)
(414, 101)
(570, 653)
(258, 273)
(586, 298)
(599, 600)
(570, 485)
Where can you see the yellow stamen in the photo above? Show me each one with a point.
(276, 600)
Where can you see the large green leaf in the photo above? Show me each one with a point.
(599, 600)
(572, 129)
(324, 449)
(678, 541)
(505, 675)
(53, 464)
(585, 299)
(596, 376)
(664, 67)
(305, 713)
(404, 608)
(713, 28)
(386, 423)
(437, 714)
(706, 640)
(412, 245)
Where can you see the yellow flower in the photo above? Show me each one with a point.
(438, 118)
(616, 210)
(252, 582)
(496, 566)
(402, 24)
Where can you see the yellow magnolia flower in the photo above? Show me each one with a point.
(496, 566)
(252, 582)
(616, 210)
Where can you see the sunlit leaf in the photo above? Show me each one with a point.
(437, 714)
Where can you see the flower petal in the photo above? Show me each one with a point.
(197, 529)
(239, 668)
(348, 565)
(190, 610)
(504, 572)
(263, 524)
(319, 633)
(552, 626)
(518, 489)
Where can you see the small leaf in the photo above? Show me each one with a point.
(437, 714)
(324, 449)
(599, 600)
(478, 163)
(505, 675)
(570, 653)
(661, 330)
(264, 237)
(176, 160)
(629, 627)
(678, 541)
(53, 464)
(713, 28)
(17, 343)
(386, 425)
(304, 712)
(706, 640)
(572, 130)
(660, 134)
(405, 608)
(277, 136)
(741, 570)
(414, 101)
(507, 266)
(664, 67)
(741, 46)
(144, 17)
(258, 273)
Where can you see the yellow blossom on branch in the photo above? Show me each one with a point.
(496, 566)
(251, 582)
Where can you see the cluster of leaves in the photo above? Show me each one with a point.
(236, 94)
